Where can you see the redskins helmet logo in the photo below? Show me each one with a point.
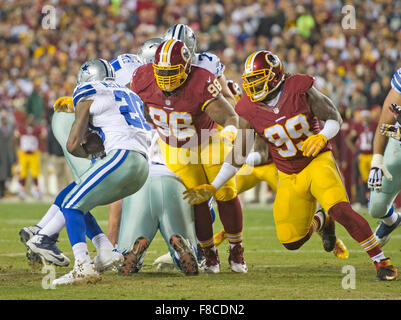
(185, 53)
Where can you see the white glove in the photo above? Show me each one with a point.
(376, 172)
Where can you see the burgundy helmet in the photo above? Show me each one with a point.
(172, 64)
(263, 74)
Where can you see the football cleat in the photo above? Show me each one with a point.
(219, 237)
(236, 259)
(133, 259)
(340, 250)
(25, 234)
(82, 272)
(385, 270)
(212, 261)
(107, 259)
(187, 257)
(328, 232)
(45, 247)
(383, 231)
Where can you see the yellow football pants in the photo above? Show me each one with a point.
(364, 165)
(249, 176)
(29, 162)
(200, 164)
(297, 195)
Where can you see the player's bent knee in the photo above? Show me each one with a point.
(377, 209)
(226, 194)
(295, 245)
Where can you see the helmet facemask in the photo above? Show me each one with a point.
(255, 83)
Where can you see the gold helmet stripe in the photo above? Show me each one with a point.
(166, 50)
(250, 60)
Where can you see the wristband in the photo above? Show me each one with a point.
(330, 129)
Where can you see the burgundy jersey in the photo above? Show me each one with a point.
(365, 132)
(179, 117)
(286, 125)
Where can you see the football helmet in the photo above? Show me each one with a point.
(172, 64)
(95, 70)
(262, 75)
(183, 33)
(147, 52)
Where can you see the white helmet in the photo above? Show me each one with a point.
(147, 52)
(96, 69)
(183, 33)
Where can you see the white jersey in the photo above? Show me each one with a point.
(396, 81)
(116, 114)
(210, 62)
(124, 66)
(157, 165)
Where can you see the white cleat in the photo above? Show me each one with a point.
(212, 262)
(82, 272)
(108, 259)
(236, 259)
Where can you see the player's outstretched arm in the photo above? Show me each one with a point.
(78, 129)
(377, 167)
(229, 168)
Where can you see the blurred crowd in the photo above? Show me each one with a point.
(39, 62)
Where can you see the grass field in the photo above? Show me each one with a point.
(274, 273)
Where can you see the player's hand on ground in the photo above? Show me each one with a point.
(377, 171)
(64, 104)
(313, 145)
(199, 194)
(390, 131)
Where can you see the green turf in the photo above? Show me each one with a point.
(274, 272)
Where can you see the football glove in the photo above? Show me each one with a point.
(64, 104)
(199, 194)
(313, 145)
(376, 173)
(228, 135)
(391, 131)
(396, 110)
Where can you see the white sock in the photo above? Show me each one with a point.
(232, 245)
(81, 253)
(391, 219)
(101, 241)
(378, 257)
(55, 225)
(48, 216)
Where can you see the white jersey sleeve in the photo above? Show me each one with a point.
(396, 81)
(210, 62)
(116, 114)
(124, 66)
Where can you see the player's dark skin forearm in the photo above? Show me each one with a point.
(78, 129)
(322, 107)
(226, 92)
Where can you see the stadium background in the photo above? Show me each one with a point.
(38, 65)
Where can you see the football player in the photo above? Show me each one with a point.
(116, 114)
(185, 104)
(385, 168)
(285, 111)
(124, 66)
(206, 60)
(45, 233)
